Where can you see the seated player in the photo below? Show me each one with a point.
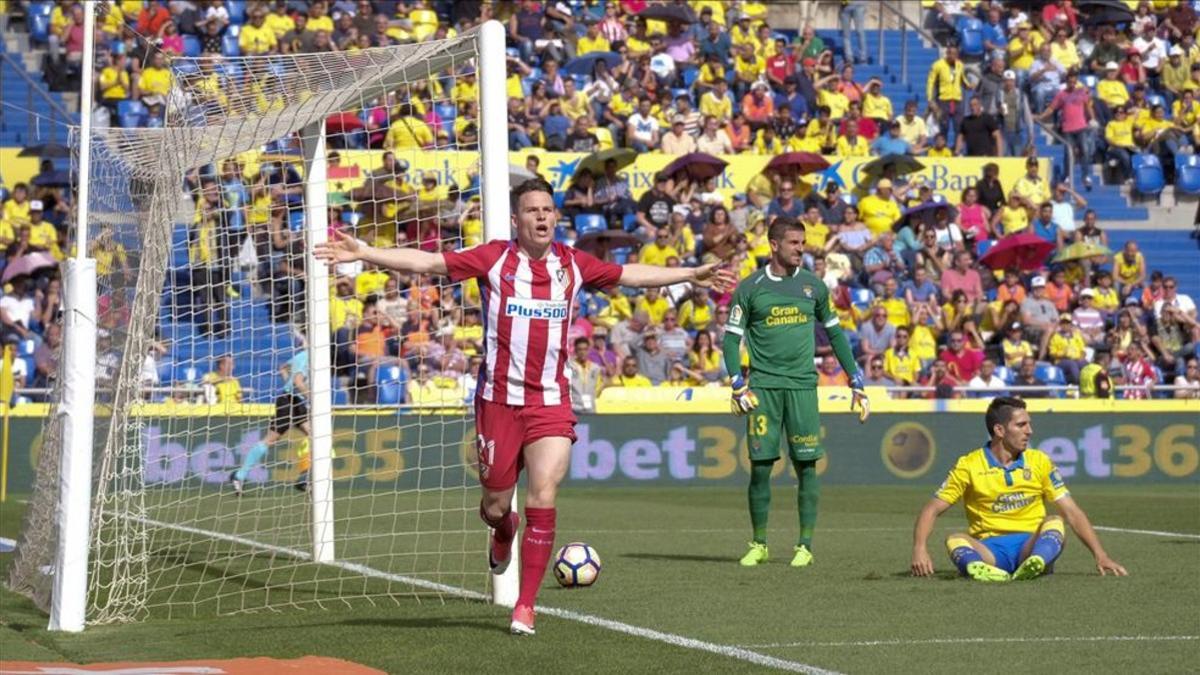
(1005, 485)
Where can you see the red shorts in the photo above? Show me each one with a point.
(501, 431)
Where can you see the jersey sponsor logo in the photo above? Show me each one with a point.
(527, 308)
(785, 316)
(809, 440)
(808, 292)
(1012, 501)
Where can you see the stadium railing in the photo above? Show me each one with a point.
(42, 112)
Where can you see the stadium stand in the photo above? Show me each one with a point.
(667, 67)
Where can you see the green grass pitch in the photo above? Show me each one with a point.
(670, 566)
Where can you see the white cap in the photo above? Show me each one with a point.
(35, 205)
(1010, 75)
(1087, 293)
(1176, 51)
(1038, 281)
(1111, 65)
(681, 209)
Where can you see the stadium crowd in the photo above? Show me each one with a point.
(925, 315)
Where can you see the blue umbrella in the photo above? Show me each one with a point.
(586, 64)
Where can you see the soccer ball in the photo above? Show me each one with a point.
(576, 564)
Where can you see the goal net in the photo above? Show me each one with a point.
(269, 432)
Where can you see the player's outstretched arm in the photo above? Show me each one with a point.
(1079, 522)
(713, 275)
(922, 564)
(344, 248)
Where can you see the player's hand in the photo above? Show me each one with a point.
(743, 401)
(858, 397)
(1106, 564)
(716, 276)
(922, 564)
(341, 248)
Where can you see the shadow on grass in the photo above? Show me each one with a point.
(680, 557)
(943, 575)
(422, 623)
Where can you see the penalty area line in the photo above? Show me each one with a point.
(730, 651)
(1152, 533)
(979, 640)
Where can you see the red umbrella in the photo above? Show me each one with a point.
(800, 162)
(697, 165)
(28, 264)
(1024, 251)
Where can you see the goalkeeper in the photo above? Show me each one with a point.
(774, 309)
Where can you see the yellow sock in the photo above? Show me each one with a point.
(305, 458)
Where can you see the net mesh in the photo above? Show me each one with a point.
(201, 228)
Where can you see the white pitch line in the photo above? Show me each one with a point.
(1153, 533)
(739, 653)
(979, 640)
(738, 529)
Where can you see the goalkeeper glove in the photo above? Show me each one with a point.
(858, 397)
(743, 400)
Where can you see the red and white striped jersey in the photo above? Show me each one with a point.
(526, 311)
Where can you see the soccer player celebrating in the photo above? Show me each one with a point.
(291, 410)
(523, 415)
(774, 310)
(1005, 485)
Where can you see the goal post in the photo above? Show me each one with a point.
(202, 497)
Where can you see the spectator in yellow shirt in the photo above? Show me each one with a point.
(653, 304)
(1032, 189)
(853, 145)
(154, 83)
(660, 250)
(592, 41)
(879, 211)
(1121, 146)
(1022, 50)
(221, 387)
(407, 131)
(318, 18)
(114, 82)
(1066, 349)
(256, 38)
(1111, 91)
(1011, 218)
(876, 106)
(279, 20)
(944, 89)
(899, 364)
(629, 375)
(830, 97)
(939, 147)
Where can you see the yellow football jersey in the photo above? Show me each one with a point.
(1003, 500)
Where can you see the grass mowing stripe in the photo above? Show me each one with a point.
(979, 640)
(739, 653)
(1153, 533)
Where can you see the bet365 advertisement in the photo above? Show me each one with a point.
(390, 451)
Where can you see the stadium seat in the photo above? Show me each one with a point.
(1005, 373)
(39, 29)
(862, 297)
(340, 396)
(849, 198)
(1155, 99)
(629, 222)
(447, 111)
(690, 74)
(560, 199)
(560, 233)
(970, 37)
(43, 8)
(230, 46)
(1051, 374)
(1088, 81)
(191, 46)
(1187, 173)
(586, 223)
(983, 246)
(621, 255)
(237, 11)
(184, 68)
(389, 386)
(296, 220)
(131, 108)
(1148, 177)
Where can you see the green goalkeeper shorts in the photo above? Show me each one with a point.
(793, 411)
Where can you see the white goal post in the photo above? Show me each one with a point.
(202, 229)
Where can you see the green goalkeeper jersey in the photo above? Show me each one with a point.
(776, 316)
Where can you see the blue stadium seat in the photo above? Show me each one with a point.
(983, 246)
(42, 8)
(191, 46)
(389, 385)
(629, 222)
(237, 11)
(560, 233)
(621, 255)
(1088, 81)
(849, 198)
(184, 67)
(970, 37)
(1187, 173)
(447, 111)
(862, 297)
(131, 108)
(230, 46)
(296, 220)
(1005, 373)
(560, 198)
(1148, 175)
(340, 396)
(586, 223)
(1050, 374)
(690, 73)
(39, 28)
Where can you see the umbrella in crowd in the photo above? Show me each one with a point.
(56, 178)
(1024, 251)
(585, 65)
(518, 175)
(27, 264)
(926, 212)
(677, 13)
(800, 162)
(697, 165)
(342, 123)
(1108, 15)
(902, 164)
(1081, 250)
(595, 162)
(1096, 5)
(45, 150)
(599, 243)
